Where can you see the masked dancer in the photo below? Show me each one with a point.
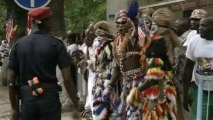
(158, 89)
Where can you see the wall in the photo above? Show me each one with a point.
(179, 7)
(113, 6)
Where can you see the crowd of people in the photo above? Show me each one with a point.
(144, 71)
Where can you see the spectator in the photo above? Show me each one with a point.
(198, 55)
(87, 62)
(195, 18)
(4, 48)
(182, 28)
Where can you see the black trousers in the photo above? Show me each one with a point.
(44, 107)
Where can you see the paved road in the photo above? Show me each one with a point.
(4, 103)
(5, 106)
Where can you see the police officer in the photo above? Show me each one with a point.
(33, 62)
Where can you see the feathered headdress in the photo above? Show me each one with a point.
(133, 10)
(131, 13)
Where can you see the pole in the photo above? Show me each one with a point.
(32, 3)
(200, 100)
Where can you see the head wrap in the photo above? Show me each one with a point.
(162, 17)
(103, 25)
(147, 11)
(122, 14)
(102, 28)
(38, 14)
(198, 14)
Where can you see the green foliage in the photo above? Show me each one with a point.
(2, 19)
(78, 13)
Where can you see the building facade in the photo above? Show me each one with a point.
(181, 8)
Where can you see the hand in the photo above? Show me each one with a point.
(92, 67)
(76, 115)
(123, 96)
(186, 102)
(82, 63)
(14, 115)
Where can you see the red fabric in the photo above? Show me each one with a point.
(40, 13)
(122, 14)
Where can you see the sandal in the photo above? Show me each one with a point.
(87, 114)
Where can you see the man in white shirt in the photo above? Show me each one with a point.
(72, 45)
(195, 18)
(87, 63)
(200, 58)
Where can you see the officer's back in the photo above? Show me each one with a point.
(33, 59)
(38, 55)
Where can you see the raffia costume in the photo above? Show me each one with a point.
(160, 96)
(103, 95)
(128, 44)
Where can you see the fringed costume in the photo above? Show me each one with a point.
(160, 98)
(128, 44)
(160, 103)
(103, 95)
(158, 89)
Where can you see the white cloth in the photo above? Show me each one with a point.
(71, 48)
(92, 75)
(192, 34)
(199, 50)
(83, 48)
(4, 50)
(91, 84)
(92, 51)
(184, 36)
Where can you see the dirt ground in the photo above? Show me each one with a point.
(5, 106)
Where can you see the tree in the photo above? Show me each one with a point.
(79, 12)
(73, 15)
(2, 19)
(58, 18)
(20, 19)
(20, 16)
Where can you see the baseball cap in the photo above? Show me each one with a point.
(198, 14)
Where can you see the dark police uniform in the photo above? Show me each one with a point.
(37, 55)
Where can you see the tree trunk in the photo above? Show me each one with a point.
(20, 15)
(58, 29)
(20, 19)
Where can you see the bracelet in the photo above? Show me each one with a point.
(12, 85)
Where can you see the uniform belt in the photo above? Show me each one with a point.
(45, 86)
